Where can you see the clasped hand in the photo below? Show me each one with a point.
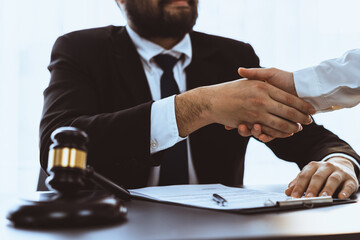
(249, 102)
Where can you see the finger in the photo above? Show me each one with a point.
(265, 138)
(291, 186)
(317, 181)
(281, 126)
(273, 133)
(243, 130)
(303, 108)
(349, 187)
(290, 113)
(285, 109)
(289, 190)
(256, 130)
(228, 128)
(304, 179)
(256, 73)
(333, 182)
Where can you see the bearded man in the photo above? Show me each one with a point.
(154, 97)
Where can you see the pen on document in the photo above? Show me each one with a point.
(219, 199)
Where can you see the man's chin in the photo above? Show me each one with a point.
(178, 13)
(178, 3)
(177, 10)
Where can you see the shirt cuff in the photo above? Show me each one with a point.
(353, 160)
(308, 87)
(164, 132)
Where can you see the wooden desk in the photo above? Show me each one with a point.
(149, 220)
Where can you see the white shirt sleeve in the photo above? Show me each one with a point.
(164, 132)
(332, 84)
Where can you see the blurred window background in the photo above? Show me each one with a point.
(285, 34)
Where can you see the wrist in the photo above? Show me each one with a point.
(343, 161)
(193, 110)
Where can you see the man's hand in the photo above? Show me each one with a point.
(241, 102)
(324, 179)
(276, 77)
(256, 132)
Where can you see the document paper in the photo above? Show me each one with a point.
(201, 195)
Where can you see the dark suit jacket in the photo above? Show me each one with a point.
(98, 85)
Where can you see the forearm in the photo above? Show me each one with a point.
(193, 110)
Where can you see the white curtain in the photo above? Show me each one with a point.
(285, 34)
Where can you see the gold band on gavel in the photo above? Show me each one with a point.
(67, 157)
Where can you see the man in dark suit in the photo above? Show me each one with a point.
(156, 93)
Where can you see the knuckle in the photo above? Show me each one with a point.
(260, 86)
(290, 100)
(281, 107)
(291, 113)
(272, 123)
(342, 172)
(272, 133)
(336, 177)
(303, 176)
(283, 126)
(318, 176)
(313, 164)
(299, 187)
(258, 102)
(272, 69)
(329, 165)
(351, 186)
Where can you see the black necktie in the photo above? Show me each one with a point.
(174, 165)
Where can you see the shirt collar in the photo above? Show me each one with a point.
(147, 49)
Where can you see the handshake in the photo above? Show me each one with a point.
(284, 81)
(264, 104)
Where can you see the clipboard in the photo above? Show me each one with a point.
(297, 204)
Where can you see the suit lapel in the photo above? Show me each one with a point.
(203, 69)
(130, 67)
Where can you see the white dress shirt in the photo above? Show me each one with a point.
(164, 132)
(332, 84)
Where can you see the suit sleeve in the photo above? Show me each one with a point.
(313, 143)
(71, 99)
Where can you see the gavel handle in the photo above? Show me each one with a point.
(107, 184)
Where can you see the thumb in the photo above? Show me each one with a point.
(255, 73)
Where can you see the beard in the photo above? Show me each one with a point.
(159, 22)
